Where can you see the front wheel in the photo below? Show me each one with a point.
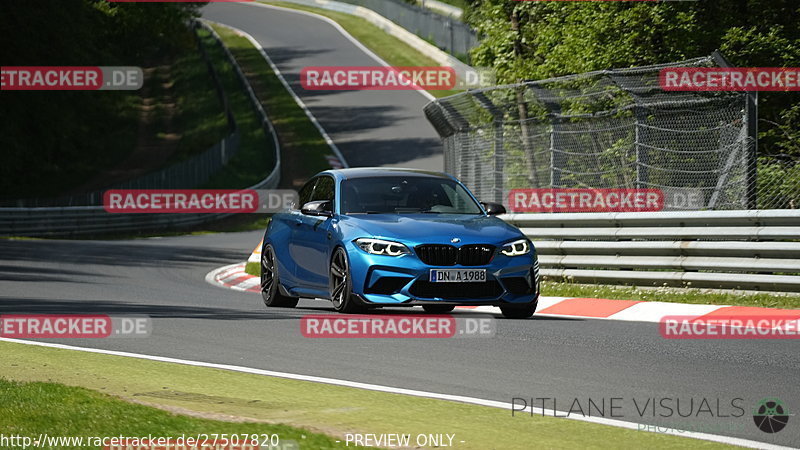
(523, 311)
(340, 284)
(270, 291)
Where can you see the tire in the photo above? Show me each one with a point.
(519, 311)
(438, 309)
(340, 285)
(270, 290)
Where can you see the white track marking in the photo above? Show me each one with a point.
(655, 311)
(286, 85)
(402, 391)
(344, 33)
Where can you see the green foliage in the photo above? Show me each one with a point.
(256, 156)
(539, 40)
(49, 139)
(778, 182)
(560, 38)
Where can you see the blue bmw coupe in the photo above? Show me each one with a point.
(377, 237)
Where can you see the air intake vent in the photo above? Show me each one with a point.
(456, 291)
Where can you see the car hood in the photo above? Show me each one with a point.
(430, 228)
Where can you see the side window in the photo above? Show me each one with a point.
(324, 189)
(305, 193)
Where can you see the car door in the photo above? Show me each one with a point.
(311, 239)
(288, 247)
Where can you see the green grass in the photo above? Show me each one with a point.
(394, 51)
(253, 268)
(31, 409)
(670, 294)
(333, 410)
(303, 149)
(201, 118)
(256, 156)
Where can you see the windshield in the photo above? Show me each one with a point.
(409, 195)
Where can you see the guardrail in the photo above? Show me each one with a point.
(391, 25)
(442, 8)
(446, 33)
(751, 250)
(81, 220)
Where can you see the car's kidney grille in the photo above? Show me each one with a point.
(437, 255)
(475, 255)
(448, 255)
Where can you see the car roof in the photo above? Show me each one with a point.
(370, 172)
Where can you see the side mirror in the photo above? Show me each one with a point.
(493, 209)
(318, 208)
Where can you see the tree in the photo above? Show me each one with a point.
(528, 40)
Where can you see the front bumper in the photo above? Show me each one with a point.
(381, 280)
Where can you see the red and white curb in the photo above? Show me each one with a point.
(234, 277)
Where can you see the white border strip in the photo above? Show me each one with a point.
(286, 85)
(412, 392)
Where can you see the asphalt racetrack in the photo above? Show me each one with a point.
(384, 128)
(565, 359)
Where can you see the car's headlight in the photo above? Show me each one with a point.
(381, 247)
(517, 248)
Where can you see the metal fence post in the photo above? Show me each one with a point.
(752, 150)
(642, 174)
(499, 161)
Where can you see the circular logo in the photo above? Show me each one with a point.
(771, 415)
(455, 240)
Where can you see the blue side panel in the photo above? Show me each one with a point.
(278, 235)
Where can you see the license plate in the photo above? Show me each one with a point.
(458, 275)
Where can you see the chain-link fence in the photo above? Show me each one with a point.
(450, 35)
(611, 130)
